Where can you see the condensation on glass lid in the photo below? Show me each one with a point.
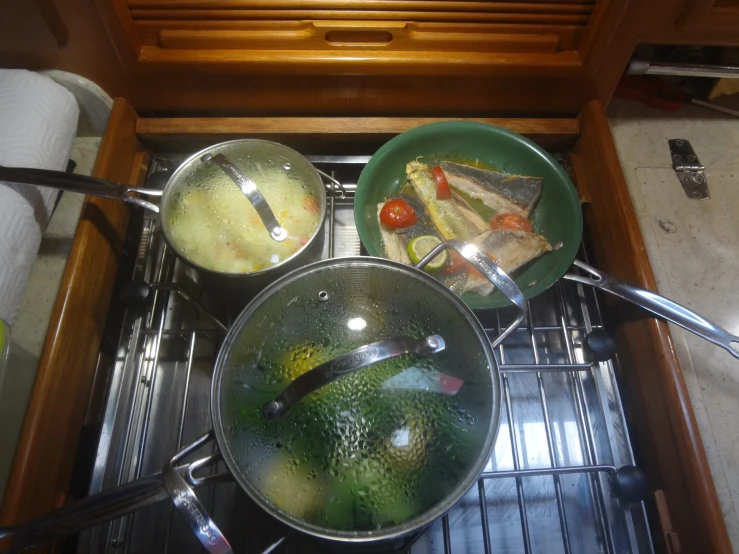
(215, 226)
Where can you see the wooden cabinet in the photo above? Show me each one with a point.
(328, 36)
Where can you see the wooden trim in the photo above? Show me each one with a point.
(561, 65)
(473, 17)
(42, 467)
(164, 128)
(389, 36)
(194, 133)
(665, 432)
(561, 6)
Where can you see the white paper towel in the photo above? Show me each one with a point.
(38, 122)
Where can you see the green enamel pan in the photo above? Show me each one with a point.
(557, 216)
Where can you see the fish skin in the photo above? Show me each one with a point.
(450, 221)
(396, 240)
(510, 249)
(502, 192)
(395, 249)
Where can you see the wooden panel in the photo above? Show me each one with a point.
(474, 17)
(568, 36)
(533, 6)
(365, 62)
(192, 133)
(165, 128)
(402, 95)
(658, 408)
(42, 466)
(387, 35)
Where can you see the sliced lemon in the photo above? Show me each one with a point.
(420, 246)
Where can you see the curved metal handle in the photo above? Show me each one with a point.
(185, 500)
(78, 183)
(493, 273)
(348, 363)
(88, 512)
(660, 306)
(250, 190)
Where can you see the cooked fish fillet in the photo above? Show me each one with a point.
(451, 219)
(510, 250)
(395, 248)
(500, 191)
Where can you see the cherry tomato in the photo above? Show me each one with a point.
(397, 214)
(443, 192)
(513, 222)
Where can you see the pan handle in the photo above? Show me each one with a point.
(660, 306)
(78, 183)
(494, 274)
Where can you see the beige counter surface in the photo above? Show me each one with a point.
(693, 246)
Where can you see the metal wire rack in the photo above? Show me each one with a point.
(549, 484)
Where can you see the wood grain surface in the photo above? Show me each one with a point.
(43, 462)
(190, 134)
(658, 409)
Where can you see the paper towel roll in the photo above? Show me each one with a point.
(38, 122)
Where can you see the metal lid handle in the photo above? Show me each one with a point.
(345, 364)
(494, 274)
(250, 190)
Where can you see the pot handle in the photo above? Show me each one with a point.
(345, 364)
(250, 190)
(87, 512)
(78, 183)
(114, 503)
(185, 500)
(660, 306)
(494, 274)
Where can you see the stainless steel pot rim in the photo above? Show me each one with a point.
(195, 158)
(421, 520)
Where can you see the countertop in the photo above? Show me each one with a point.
(693, 247)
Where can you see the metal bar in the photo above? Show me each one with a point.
(484, 516)
(548, 328)
(585, 425)
(446, 533)
(550, 445)
(643, 67)
(331, 220)
(538, 472)
(339, 159)
(543, 368)
(180, 435)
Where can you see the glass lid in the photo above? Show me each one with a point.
(210, 222)
(365, 452)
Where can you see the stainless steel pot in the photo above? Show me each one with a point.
(353, 372)
(268, 174)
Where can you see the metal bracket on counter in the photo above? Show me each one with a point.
(689, 169)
